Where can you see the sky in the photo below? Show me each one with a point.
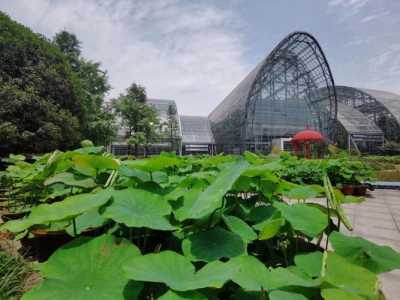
(196, 52)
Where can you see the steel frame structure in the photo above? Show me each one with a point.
(380, 107)
(290, 90)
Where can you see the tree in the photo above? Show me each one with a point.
(100, 122)
(70, 45)
(136, 116)
(172, 127)
(41, 105)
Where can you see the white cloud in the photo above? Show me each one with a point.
(187, 51)
(374, 17)
(352, 7)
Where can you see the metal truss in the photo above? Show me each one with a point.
(293, 90)
(375, 105)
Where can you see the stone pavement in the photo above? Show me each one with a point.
(378, 220)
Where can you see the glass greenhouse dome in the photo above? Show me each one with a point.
(290, 90)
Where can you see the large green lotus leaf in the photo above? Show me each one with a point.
(90, 150)
(261, 213)
(139, 208)
(283, 295)
(263, 171)
(271, 228)
(155, 163)
(279, 278)
(172, 295)
(190, 196)
(309, 220)
(88, 220)
(211, 198)
(377, 259)
(176, 271)
(310, 263)
(71, 180)
(302, 193)
(241, 228)
(91, 165)
(340, 273)
(124, 170)
(335, 294)
(87, 269)
(212, 245)
(68, 208)
(251, 275)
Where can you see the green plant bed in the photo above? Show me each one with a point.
(196, 228)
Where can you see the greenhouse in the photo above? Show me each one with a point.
(293, 89)
(382, 108)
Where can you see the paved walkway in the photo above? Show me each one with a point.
(378, 220)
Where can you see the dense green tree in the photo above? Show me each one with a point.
(100, 122)
(139, 119)
(41, 102)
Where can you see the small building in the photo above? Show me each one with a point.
(197, 137)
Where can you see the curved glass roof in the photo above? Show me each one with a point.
(383, 108)
(355, 122)
(291, 89)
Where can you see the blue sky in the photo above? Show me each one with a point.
(196, 52)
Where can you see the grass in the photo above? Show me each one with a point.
(13, 274)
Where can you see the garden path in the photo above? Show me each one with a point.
(378, 220)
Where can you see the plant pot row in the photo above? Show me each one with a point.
(354, 190)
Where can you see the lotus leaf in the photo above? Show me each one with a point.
(241, 228)
(307, 219)
(87, 269)
(377, 259)
(176, 271)
(68, 208)
(212, 245)
(139, 208)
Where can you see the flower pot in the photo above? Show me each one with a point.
(360, 190)
(8, 216)
(347, 190)
(6, 235)
(45, 242)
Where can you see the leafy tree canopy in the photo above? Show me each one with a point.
(41, 105)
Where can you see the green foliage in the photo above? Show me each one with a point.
(377, 259)
(342, 171)
(99, 124)
(41, 106)
(190, 228)
(83, 268)
(139, 119)
(13, 274)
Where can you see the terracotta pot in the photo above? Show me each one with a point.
(8, 216)
(6, 235)
(347, 190)
(45, 242)
(360, 190)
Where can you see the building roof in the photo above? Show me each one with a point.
(355, 122)
(389, 100)
(196, 130)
